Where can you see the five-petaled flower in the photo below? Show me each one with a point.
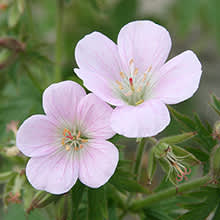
(69, 142)
(133, 76)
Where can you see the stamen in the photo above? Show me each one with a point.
(149, 69)
(67, 147)
(76, 148)
(128, 93)
(131, 84)
(78, 135)
(139, 89)
(63, 141)
(119, 84)
(80, 146)
(122, 75)
(139, 102)
(131, 62)
(136, 71)
(144, 78)
(84, 140)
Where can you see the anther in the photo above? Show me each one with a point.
(122, 75)
(139, 102)
(119, 84)
(67, 147)
(149, 69)
(80, 146)
(78, 135)
(139, 89)
(63, 141)
(76, 148)
(144, 78)
(136, 71)
(131, 62)
(84, 140)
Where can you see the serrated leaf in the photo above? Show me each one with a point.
(155, 214)
(216, 104)
(97, 204)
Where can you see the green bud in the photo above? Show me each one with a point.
(151, 166)
(217, 129)
(176, 139)
(215, 162)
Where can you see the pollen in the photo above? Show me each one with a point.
(78, 135)
(149, 69)
(119, 84)
(144, 78)
(139, 102)
(136, 71)
(131, 62)
(122, 75)
(67, 147)
(80, 146)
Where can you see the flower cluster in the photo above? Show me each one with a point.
(69, 141)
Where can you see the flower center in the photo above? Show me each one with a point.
(73, 140)
(134, 87)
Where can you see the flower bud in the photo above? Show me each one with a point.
(151, 166)
(176, 139)
(215, 162)
(216, 133)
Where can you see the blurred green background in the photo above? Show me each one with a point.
(29, 64)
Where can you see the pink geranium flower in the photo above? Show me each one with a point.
(69, 141)
(132, 76)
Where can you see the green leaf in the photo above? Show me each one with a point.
(209, 199)
(14, 15)
(215, 104)
(97, 204)
(155, 214)
(77, 195)
(4, 177)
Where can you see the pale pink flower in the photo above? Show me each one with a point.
(69, 142)
(133, 76)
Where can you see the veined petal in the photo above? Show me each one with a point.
(60, 101)
(146, 43)
(37, 136)
(55, 173)
(100, 86)
(178, 79)
(94, 117)
(98, 162)
(144, 120)
(98, 60)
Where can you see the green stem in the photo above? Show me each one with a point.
(166, 194)
(137, 165)
(59, 39)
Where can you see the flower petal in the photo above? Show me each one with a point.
(147, 43)
(144, 120)
(37, 136)
(94, 117)
(98, 59)
(98, 162)
(56, 173)
(60, 101)
(178, 79)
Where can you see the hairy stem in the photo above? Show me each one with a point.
(59, 39)
(166, 194)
